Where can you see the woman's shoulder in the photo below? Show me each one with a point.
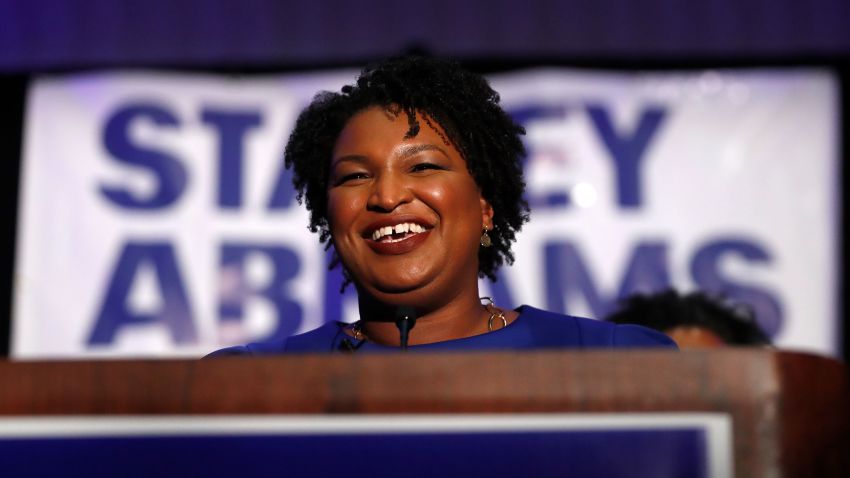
(560, 330)
(316, 340)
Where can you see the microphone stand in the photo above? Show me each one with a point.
(405, 319)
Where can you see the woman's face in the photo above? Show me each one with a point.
(405, 215)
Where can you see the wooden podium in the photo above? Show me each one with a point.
(790, 412)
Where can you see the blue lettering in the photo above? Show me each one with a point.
(115, 313)
(627, 151)
(167, 169)
(286, 265)
(705, 269)
(231, 127)
(283, 194)
(567, 277)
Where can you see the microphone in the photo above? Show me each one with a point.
(405, 319)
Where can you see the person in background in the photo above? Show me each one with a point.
(694, 320)
(413, 179)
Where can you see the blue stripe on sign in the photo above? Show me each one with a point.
(600, 453)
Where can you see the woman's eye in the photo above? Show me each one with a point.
(425, 167)
(351, 177)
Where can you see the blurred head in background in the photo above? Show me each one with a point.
(694, 320)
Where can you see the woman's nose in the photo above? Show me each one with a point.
(389, 190)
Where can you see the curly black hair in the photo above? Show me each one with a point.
(735, 323)
(460, 102)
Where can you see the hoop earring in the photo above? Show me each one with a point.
(485, 239)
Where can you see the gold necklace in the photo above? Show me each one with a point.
(357, 331)
(495, 313)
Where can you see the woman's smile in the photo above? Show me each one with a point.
(397, 235)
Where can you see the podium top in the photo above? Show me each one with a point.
(788, 409)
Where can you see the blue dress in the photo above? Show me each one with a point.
(534, 329)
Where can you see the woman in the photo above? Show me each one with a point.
(413, 176)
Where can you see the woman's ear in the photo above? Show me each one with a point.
(486, 213)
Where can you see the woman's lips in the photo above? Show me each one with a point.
(403, 246)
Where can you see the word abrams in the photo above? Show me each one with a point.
(566, 271)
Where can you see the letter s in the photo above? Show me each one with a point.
(168, 171)
(706, 273)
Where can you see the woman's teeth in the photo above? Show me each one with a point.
(402, 228)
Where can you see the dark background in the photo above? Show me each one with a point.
(39, 37)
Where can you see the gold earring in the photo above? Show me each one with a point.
(485, 239)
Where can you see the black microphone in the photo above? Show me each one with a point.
(405, 319)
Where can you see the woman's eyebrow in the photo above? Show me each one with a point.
(414, 149)
(404, 151)
(353, 158)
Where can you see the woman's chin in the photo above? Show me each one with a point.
(394, 286)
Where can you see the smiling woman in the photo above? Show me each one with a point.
(413, 177)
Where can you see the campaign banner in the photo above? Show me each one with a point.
(157, 219)
(651, 445)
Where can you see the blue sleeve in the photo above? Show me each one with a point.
(320, 340)
(255, 348)
(628, 335)
(230, 352)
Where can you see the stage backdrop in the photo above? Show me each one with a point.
(156, 218)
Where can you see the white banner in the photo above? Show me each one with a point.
(156, 218)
